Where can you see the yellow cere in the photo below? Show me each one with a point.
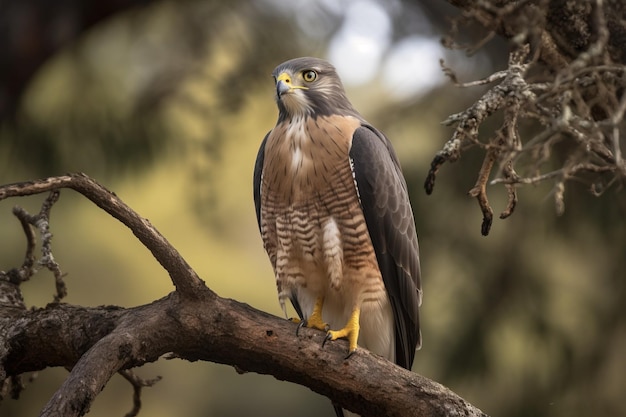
(286, 78)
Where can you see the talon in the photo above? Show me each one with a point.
(350, 332)
(349, 354)
(317, 323)
(301, 324)
(327, 338)
(314, 321)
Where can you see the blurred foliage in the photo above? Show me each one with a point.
(166, 104)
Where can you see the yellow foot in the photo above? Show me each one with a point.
(350, 332)
(315, 319)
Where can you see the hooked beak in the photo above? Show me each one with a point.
(284, 85)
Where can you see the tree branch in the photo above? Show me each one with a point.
(509, 94)
(138, 384)
(183, 276)
(566, 78)
(98, 342)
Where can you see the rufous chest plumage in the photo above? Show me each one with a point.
(308, 191)
(307, 158)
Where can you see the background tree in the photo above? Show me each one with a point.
(186, 86)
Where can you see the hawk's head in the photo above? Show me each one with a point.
(310, 87)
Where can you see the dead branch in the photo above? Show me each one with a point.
(511, 91)
(137, 384)
(98, 342)
(183, 276)
(572, 96)
(42, 222)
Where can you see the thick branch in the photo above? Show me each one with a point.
(98, 342)
(223, 331)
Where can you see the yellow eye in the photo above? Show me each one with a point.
(309, 76)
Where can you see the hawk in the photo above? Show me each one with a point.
(335, 217)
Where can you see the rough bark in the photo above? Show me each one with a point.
(192, 323)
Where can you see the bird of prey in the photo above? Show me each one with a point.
(335, 217)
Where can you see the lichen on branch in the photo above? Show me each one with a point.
(576, 100)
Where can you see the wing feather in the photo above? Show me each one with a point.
(256, 181)
(390, 223)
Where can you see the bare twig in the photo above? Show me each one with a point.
(479, 191)
(47, 258)
(512, 90)
(578, 100)
(42, 222)
(449, 72)
(137, 384)
(26, 270)
(182, 275)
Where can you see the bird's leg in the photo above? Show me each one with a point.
(315, 319)
(350, 331)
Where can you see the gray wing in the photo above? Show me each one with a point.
(256, 181)
(389, 218)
